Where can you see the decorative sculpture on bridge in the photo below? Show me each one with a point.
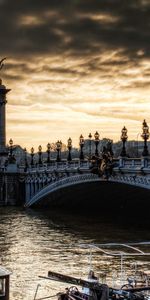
(103, 166)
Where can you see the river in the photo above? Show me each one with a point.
(33, 242)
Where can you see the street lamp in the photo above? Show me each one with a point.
(124, 138)
(11, 157)
(40, 154)
(96, 135)
(81, 143)
(145, 136)
(32, 155)
(90, 137)
(58, 148)
(11, 147)
(48, 152)
(69, 146)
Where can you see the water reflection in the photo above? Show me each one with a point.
(33, 242)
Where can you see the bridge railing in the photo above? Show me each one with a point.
(134, 163)
(74, 164)
(130, 162)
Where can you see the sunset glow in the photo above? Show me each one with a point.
(75, 67)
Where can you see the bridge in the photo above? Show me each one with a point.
(30, 185)
(33, 182)
(50, 179)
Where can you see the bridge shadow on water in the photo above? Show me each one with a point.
(115, 202)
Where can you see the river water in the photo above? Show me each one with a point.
(33, 242)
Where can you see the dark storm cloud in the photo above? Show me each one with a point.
(73, 27)
(18, 67)
(138, 85)
(13, 77)
(65, 71)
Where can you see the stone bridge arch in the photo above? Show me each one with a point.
(41, 182)
(60, 184)
(140, 181)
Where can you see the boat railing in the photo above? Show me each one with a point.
(123, 251)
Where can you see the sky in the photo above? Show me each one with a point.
(75, 67)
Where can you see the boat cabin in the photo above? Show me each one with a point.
(4, 283)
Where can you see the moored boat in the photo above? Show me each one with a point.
(135, 287)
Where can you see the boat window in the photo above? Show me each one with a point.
(2, 287)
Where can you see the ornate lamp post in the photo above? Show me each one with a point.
(124, 138)
(90, 137)
(11, 157)
(81, 143)
(32, 155)
(40, 154)
(145, 136)
(58, 148)
(11, 147)
(25, 158)
(48, 152)
(69, 146)
(96, 135)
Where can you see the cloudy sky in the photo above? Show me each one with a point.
(75, 66)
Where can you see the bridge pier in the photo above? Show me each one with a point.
(12, 189)
(3, 184)
(9, 188)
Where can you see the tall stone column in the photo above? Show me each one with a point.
(3, 101)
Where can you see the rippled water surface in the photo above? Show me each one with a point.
(33, 242)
